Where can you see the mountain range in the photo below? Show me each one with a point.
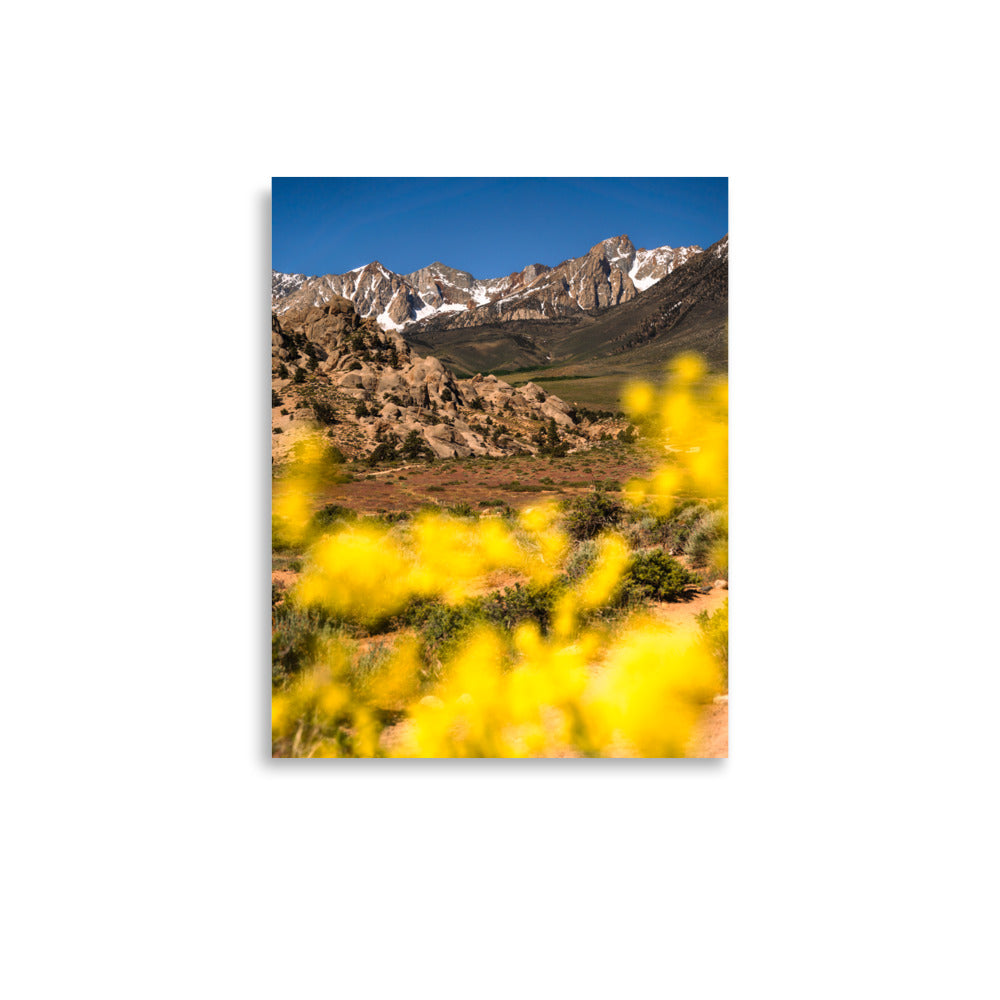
(612, 272)
(584, 328)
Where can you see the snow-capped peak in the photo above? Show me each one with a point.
(537, 291)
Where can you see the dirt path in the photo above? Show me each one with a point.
(685, 612)
(711, 738)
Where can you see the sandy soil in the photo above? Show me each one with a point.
(685, 612)
(711, 739)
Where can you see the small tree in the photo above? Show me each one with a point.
(325, 413)
(383, 452)
(413, 446)
(551, 434)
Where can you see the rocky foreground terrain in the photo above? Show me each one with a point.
(368, 388)
(612, 272)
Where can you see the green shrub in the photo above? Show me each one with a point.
(589, 515)
(332, 513)
(325, 413)
(414, 446)
(517, 604)
(440, 625)
(296, 637)
(383, 452)
(581, 559)
(706, 542)
(300, 376)
(655, 576)
(715, 628)
(366, 665)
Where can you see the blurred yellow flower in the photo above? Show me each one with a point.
(573, 690)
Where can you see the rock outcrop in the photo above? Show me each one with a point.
(367, 386)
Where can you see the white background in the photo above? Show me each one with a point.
(151, 848)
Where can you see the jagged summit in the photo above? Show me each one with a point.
(610, 273)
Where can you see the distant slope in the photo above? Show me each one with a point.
(685, 311)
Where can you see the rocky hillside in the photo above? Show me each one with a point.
(369, 389)
(686, 310)
(612, 272)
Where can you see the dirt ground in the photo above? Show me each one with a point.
(711, 739)
(517, 481)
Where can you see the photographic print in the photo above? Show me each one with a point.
(499, 438)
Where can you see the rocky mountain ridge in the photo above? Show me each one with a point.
(695, 296)
(369, 389)
(687, 310)
(613, 271)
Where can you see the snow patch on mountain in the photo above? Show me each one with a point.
(284, 284)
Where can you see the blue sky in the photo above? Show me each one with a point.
(489, 226)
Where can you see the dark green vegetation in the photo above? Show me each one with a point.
(589, 359)
(591, 514)
(656, 576)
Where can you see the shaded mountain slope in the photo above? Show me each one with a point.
(686, 310)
